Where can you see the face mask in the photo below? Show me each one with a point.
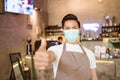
(71, 35)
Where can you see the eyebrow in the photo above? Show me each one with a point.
(71, 27)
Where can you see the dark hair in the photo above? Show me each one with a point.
(70, 17)
(60, 38)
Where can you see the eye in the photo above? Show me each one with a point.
(66, 27)
(75, 27)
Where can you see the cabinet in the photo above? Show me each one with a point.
(110, 31)
(53, 30)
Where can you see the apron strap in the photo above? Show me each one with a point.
(82, 49)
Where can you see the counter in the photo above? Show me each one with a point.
(107, 69)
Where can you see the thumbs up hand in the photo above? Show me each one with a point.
(41, 56)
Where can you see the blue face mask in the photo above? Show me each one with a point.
(71, 35)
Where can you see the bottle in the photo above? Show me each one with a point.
(28, 46)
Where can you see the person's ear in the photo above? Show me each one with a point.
(79, 30)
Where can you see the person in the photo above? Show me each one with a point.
(71, 60)
(28, 46)
(59, 41)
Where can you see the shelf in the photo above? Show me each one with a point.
(110, 31)
(91, 40)
(53, 30)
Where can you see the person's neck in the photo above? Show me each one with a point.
(76, 42)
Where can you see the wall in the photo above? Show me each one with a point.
(88, 11)
(14, 31)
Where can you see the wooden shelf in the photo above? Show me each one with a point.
(53, 30)
(110, 31)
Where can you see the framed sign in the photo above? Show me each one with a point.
(17, 66)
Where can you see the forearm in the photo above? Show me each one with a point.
(94, 74)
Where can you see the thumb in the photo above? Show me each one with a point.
(43, 44)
